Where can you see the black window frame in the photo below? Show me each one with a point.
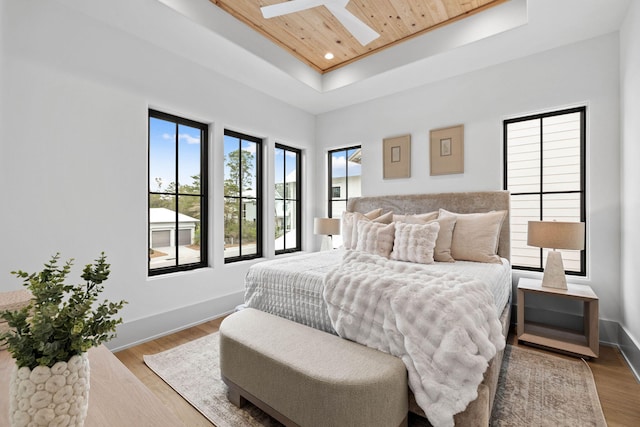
(204, 193)
(330, 178)
(259, 198)
(583, 188)
(298, 198)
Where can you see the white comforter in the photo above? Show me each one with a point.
(443, 326)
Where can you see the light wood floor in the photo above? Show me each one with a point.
(617, 387)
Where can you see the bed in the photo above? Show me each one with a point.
(301, 288)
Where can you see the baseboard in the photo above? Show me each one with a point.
(149, 328)
(630, 350)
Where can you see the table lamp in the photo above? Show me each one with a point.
(326, 227)
(555, 235)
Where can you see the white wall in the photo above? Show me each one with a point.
(75, 95)
(630, 154)
(585, 72)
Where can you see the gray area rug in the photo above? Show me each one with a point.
(535, 389)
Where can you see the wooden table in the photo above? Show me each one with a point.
(583, 344)
(116, 398)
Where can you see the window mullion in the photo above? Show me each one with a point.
(177, 194)
(541, 198)
(241, 194)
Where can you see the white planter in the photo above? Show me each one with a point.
(56, 396)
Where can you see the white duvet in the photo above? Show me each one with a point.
(443, 325)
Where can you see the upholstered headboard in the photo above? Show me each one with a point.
(468, 202)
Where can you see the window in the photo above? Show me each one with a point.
(177, 222)
(242, 197)
(287, 199)
(344, 181)
(545, 173)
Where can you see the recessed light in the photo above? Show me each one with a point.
(328, 55)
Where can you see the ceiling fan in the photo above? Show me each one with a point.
(361, 31)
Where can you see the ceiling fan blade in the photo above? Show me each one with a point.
(289, 7)
(361, 31)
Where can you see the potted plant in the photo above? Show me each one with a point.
(49, 340)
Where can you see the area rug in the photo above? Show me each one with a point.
(540, 389)
(535, 389)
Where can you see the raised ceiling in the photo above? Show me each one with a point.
(310, 34)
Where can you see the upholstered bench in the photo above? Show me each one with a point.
(305, 377)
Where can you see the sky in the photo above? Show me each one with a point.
(339, 164)
(285, 166)
(162, 153)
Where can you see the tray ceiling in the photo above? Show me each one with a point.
(310, 34)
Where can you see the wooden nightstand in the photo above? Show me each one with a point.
(586, 344)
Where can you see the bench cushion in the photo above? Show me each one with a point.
(311, 377)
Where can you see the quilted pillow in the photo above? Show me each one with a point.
(476, 236)
(348, 226)
(358, 218)
(415, 242)
(375, 238)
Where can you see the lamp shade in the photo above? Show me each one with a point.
(326, 226)
(556, 235)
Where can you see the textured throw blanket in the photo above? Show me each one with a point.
(443, 326)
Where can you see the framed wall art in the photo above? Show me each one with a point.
(397, 157)
(447, 150)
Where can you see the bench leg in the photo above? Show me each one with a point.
(234, 396)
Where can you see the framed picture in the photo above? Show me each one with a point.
(447, 150)
(397, 157)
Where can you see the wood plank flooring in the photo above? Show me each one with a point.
(618, 389)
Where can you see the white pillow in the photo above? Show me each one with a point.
(375, 238)
(348, 225)
(415, 242)
(442, 251)
(417, 218)
(476, 236)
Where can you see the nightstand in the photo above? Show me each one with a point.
(586, 344)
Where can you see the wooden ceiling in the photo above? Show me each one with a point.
(311, 33)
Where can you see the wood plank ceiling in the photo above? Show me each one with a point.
(311, 33)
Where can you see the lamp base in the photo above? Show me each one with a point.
(554, 276)
(327, 243)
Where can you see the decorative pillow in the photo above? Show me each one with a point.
(358, 217)
(442, 251)
(416, 219)
(375, 238)
(415, 242)
(476, 236)
(348, 225)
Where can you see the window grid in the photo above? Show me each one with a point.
(342, 196)
(174, 198)
(290, 201)
(544, 171)
(242, 209)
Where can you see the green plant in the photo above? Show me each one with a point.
(61, 320)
